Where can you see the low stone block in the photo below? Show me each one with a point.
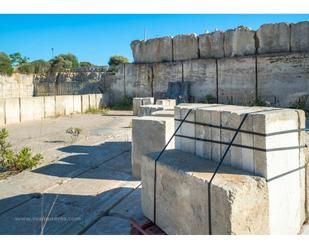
(239, 42)
(50, 106)
(38, 108)
(185, 47)
(152, 50)
(138, 102)
(163, 113)
(12, 111)
(149, 134)
(211, 45)
(300, 37)
(77, 104)
(85, 103)
(147, 110)
(273, 38)
(60, 105)
(166, 102)
(26, 109)
(92, 101)
(239, 200)
(237, 80)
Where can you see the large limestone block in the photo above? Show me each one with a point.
(101, 100)
(26, 109)
(166, 102)
(138, 102)
(116, 83)
(237, 80)
(283, 80)
(273, 38)
(185, 47)
(239, 200)
(282, 166)
(77, 103)
(60, 105)
(163, 113)
(149, 134)
(12, 111)
(147, 110)
(49, 106)
(138, 80)
(85, 103)
(239, 42)
(38, 108)
(307, 183)
(152, 50)
(92, 101)
(211, 45)
(163, 73)
(300, 37)
(2, 112)
(201, 74)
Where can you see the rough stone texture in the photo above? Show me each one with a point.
(273, 38)
(138, 102)
(185, 47)
(38, 108)
(163, 73)
(201, 75)
(211, 45)
(166, 102)
(92, 101)
(152, 50)
(2, 112)
(163, 113)
(138, 80)
(147, 110)
(300, 37)
(283, 80)
(239, 42)
(116, 84)
(85, 103)
(182, 196)
(49, 106)
(236, 80)
(16, 85)
(12, 111)
(149, 134)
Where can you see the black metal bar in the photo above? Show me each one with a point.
(155, 168)
(216, 170)
(242, 146)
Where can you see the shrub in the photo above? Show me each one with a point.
(5, 64)
(125, 103)
(25, 68)
(209, 99)
(116, 60)
(16, 161)
(63, 62)
(74, 132)
(85, 64)
(40, 66)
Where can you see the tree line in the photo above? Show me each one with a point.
(61, 63)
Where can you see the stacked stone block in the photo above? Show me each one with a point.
(138, 102)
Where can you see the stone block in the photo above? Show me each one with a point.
(147, 110)
(138, 102)
(69, 104)
(77, 103)
(273, 38)
(201, 75)
(38, 108)
(237, 80)
(92, 101)
(12, 111)
(60, 105)
(2, 112)
(166, 102)
(185, 47)
(163, 73)
(239, 42)
(163, 113)
(138, 80)
(238, 199)
(283, 79)
(26, 109)
(85, 103)
(211, 45)
(149, 134)
(50, 106)
(300, 37)
(152, 50)
(116, 83)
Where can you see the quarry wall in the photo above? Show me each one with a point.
(17, 85)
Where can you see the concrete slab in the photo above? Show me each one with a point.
(12, 111)
(149, 134)
(26, 109)
(185, 211)
(38, 108)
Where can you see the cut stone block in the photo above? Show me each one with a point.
(85, 103)
(237, 80)
(239, 42)
(283, 79)
(211, 45)
(49, 106)
(201, 76)
(149, 134)
(2, 112)
(12, 110)
(77, 103)
(166, 102)
(185, 47)
(101, 102)
(300, 37)
(239, 200)
(138, 102)
(152, 50)
(273, 38)
(38, 108)
(147, 110)
(60, 105)
(26, 109)
(92, 101)
(163, 113)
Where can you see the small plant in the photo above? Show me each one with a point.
(209, 99)
(101, 110)
(125, 103)
(16, 161)
(130, 125)
(258, 102)
(301, 104)
(74, 132)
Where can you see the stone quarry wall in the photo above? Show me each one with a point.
(17, 110)
(238, 66)
(17, 85)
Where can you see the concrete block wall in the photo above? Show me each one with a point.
(17, 110)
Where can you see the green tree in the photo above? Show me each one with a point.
(5, 64)
(64, 62)
(40, 66)
(115, 60)
(17, 59)
(85, 64)
(25, 68)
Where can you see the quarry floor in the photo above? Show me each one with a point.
(83, 187)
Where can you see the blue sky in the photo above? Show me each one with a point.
(95, 38)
